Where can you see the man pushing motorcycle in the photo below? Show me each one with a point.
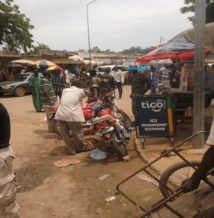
(70, 117)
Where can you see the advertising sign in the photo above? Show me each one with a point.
(155, 116)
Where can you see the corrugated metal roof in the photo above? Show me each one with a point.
(9, 54)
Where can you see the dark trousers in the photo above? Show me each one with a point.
(120, 89)
(206, 165)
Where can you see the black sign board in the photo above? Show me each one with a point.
(155, 116)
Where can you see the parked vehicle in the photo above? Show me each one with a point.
(111, 133)
(111, 67)
(17, 85)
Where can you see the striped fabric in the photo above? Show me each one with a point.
(45, 85)
(58, 82)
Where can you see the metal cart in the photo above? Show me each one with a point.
(164, 202)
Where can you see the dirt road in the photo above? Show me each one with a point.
(77, 191)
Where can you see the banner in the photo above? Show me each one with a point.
(155, 116)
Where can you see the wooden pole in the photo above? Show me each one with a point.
(199, 74)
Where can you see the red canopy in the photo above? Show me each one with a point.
(179, 48)
(156, 55)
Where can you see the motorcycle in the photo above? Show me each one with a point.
(111, 132)
(108, 101)
(98, 107)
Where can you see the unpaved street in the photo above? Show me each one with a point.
(45, 190)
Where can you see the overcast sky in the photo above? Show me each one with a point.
(114, 24)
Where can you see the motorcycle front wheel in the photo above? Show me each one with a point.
(121, 115)
(119, 147)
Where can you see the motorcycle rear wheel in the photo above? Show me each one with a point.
(119, 147)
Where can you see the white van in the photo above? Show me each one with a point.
(111, 67)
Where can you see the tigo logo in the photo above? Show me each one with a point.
(156, 106)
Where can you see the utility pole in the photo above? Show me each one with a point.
(199, 73)
(160, 40)
(89, 46)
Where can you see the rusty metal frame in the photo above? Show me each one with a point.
(163, 202)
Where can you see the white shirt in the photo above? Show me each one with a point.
(118, 76)
(70, 108)
(67, 77)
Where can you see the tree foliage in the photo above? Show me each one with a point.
(132, 50)
(14, 28)
(138, 50)
(96, 49)
(190, 7)
(35, 49)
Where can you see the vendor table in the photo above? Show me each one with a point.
(184, 103)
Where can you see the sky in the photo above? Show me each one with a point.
(113, 24)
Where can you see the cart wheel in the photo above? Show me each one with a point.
(172, 178)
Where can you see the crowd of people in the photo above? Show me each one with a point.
(60, 88)
(47, 86)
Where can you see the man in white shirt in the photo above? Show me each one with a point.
(71, 117)
(67, 78)
(119, 78)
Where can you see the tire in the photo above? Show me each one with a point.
(19, 92)
(173, 177)
(56, 127)
(121, 115)
(119, 147)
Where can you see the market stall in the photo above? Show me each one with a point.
(179, 80)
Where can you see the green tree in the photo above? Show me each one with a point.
(81, 50)
(35, 49)
(109, 51)
(14, 28)
(138, 50)
(191, 8)
(96, 49)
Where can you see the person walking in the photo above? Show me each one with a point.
(83, 80)
(153, 80)
(8, 206)
(139, 86)
(119, 78)
(47, 94)
(67, 77)
(94, 84)
(107, 82)
(70, 117)
(47, 97)
(58, 82)
(34, 83)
